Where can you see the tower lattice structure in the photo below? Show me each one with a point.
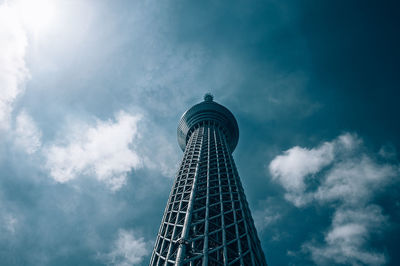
(207, 220)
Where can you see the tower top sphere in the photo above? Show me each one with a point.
(208, 111)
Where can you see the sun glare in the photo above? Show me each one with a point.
(37, 15)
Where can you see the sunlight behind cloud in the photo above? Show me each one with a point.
(13, 70)
(37, 15)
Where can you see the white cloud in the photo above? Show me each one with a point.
(27, 135)
(266, 217)
(127, 250)
(10, 220)
(13, 71)
(291, 168)
(352, 180)
(9, 223)
(104, 150)
(347, 236)
(346, 176)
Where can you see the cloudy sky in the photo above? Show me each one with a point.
(91, 93)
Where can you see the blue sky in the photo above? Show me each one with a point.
(92, 91)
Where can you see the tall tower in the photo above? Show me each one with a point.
(207, 220)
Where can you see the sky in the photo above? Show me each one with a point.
(92, 91)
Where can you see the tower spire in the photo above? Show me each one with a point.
(208, 97)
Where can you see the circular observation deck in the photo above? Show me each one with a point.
(208, 110)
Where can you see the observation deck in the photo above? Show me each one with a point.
(208, 110)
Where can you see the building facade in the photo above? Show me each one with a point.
(207, 220)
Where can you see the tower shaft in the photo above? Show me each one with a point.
(207, 219)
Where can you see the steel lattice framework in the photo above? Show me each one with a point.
(207, 219)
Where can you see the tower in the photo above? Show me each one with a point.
(207, 220)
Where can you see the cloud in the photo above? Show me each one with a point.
(126, 250)
(27, 136)
(342, 175)
(266, 217)
(269, 213)
(388, 151)
(354, 180)
(104, 150)
(13, 71)
(291, 169)
(158, 152)
(9, 223)
(347, 235)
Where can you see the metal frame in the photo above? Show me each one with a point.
(207, 220)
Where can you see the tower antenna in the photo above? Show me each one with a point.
(208, 97)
